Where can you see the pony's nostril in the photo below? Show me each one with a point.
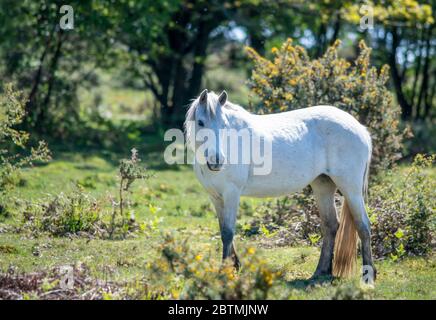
(215, 162)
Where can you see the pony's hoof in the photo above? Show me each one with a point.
(236, 264)
(369, 275)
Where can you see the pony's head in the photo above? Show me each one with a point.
(204, 120)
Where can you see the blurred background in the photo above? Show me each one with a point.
(137, 64)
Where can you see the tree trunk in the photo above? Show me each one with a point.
(418, 60)
(422, 99)
(336, 28)
(41, 116)
(321, 36)
(200, 53)
(164, 76)
(396, 77)
(31, 103)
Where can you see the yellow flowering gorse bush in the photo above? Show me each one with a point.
(184, 273)
(409, 13)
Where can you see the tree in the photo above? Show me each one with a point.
(401, 36)
(171, 62)
(403, 31)
(48, 63)
(170, 58)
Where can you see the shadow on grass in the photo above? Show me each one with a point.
(113, 142)
(304, 284)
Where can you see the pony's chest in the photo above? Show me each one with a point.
(218, 182)
(212, 183)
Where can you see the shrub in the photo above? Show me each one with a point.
(402, 211)
(351, 291)
(129, 171)
(11, 140)
(291, 80)
(290, 220)
(80, 214)
(76, 214)
(47, 285)
(183, 273)
(65, 215)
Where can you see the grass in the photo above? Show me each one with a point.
(183, 207)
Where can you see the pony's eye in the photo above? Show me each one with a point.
(200, 123)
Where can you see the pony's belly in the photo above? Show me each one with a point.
(292, 169)
(274, 186)
(262, 193)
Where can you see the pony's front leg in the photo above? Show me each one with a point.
(228, 223)
(218, 203)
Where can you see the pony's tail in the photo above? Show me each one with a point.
(345, 256)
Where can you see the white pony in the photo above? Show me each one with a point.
(319, 146)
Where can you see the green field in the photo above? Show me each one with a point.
(184, 208)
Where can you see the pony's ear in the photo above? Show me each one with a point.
(203, 97)
(222, 99)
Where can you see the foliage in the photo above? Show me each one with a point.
(184, 273)
(129, 171)
(65, 215)
(292, 81)
(423, 138)
(403, 214)
(80, 214)
(402, 33)
(290, 220)
(47, 285)
(410, 12)
(351, 291)
(163, 47)
(115, 263)
(51, 64)
(401, 210)
(168, 46)
(76, 214)
(11, 139)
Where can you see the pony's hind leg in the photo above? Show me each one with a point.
(352, 190)
(324, 192)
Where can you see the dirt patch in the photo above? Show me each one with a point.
(53, 285)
